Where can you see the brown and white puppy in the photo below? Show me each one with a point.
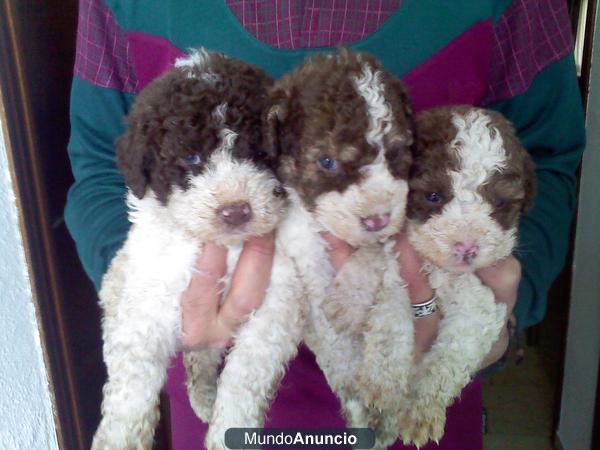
(471, 179)
(344, 128)
(193, 160)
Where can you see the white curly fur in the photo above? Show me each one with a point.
(367, 302)
(368, 280)
(141, 293)
(382, 324)
(381, 119)
(472, 320)
(371, 275)
(307, 273)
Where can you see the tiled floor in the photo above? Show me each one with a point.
(519, 402)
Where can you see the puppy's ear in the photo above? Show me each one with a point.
(132, 158)
(273, 122)
(519, 155)
(402, 104)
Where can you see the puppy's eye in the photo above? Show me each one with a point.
(193, 159)
(433, 197)
(259, 154)
(328, 163)
(500, 203)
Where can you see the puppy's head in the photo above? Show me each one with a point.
(194, 148)
(470, 181)
(343, 127)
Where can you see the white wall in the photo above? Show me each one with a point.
(26, 418)
(583, 335)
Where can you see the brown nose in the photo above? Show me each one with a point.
(236, 214)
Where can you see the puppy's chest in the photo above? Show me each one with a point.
(456, 288)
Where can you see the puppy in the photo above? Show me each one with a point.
(343, 127)
(470, 181)
(193, 160)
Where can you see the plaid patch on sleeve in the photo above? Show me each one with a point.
(529, 36)
(102, 56)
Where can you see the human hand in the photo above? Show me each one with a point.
(418, 287)
(338, 249)
(419, 291)
(209, 322)
(503, 279)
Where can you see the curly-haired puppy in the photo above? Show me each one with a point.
(343, 127)
(193, 161)
(471, 180)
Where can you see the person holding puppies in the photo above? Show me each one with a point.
(512, 56)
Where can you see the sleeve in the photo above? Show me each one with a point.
(102, 92)
(534, 84)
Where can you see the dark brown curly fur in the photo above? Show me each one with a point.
(316, 112)
(432, 160)
(173, 118)
(511, 191)
(516, 186)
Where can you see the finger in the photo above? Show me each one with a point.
(200, 301)
(249, 282)
(339, 250)
(503, 279)
(203, 293)
(426, 329)
(411, 266)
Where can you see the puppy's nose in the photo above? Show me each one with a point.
(466, 251)
(236, 214)
(375, 223)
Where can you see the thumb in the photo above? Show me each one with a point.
(411, 272)
(339, 250)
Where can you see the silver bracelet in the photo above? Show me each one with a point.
(426, 308)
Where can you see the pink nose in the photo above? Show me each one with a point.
(375, 223)
(466, 251)
(236, 214)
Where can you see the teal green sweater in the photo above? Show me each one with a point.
(498, 54)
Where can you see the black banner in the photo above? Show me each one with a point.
(291, 438)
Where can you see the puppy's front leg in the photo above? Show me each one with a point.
(257, 361)
(388, 354)
(202, 369)
(388, 343)
(353, 290)
(140, 337)
(472, 323)
(338, 341)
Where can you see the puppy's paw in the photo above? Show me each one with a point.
(386, 427)
(423, 423)
(113, 438)
(215, 439)
(203, 405)
(380, 393)
(100, 442)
